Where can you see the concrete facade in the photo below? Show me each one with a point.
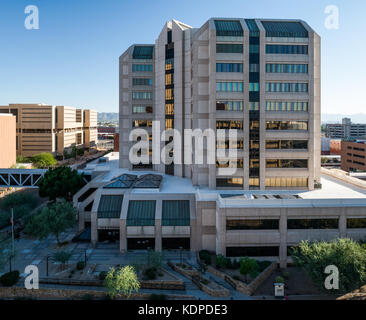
(229, 222)
(7, 140)
(345, 130)
(194, 81)
(353, 156)
(54, 129)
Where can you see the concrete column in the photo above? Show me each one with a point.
(343, 225)
(94, 228)
(158, 231)
(283, 238)
(122, 236)
(221, 231)
(81, 221)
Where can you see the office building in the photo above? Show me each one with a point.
(261, 77)
(353, 155)
(54, 129)
(345, 130)
(7, 140)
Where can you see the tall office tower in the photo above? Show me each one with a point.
(258, 76)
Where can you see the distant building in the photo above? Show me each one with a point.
(7, 140)
(353, 156)
(346, 129)
(116, 142)
(106, 130)
(54, 129)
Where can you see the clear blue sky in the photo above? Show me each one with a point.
(73, 58)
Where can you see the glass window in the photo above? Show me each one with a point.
(286, 125)
(229, 48)
(234, 182)
(140, 95)
(259, 224)
(141, 123)
(142, 82)
(286, 182)
(302, 224)
(229, 105)
(286, 87)
(286, 144)
(289, 106)
(229, 86)
(142, 109)
(286, 49)
(286, 68)
(229, 67)
(286, 163)
(142, 68)
(356, 223)
(227, 124)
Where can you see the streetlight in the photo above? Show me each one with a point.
(47, 265)
(85, 259)
(180, 253)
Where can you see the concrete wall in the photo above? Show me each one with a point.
(7, 140)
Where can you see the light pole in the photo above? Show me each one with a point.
(47, 265)
(85, 259)
(180, 253)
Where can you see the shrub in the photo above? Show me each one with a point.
(43, 160)
(102, 275)
(150, 273)
(279, 280)
(347, 255)
(286, 275)
(87, 296)
(249, 266)
(9, 279)
(221, 262)
(205, 256)
(18, 199)
(155, 296)
(122, 281)
(80, 265)
(236, 278)
(205, 281)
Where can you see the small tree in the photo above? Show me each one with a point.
(60, 182)
(57, 217)
(62, 256)
(248, 266)
(122, 281)
(347, 255)
(44, 160)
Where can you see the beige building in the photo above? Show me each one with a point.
(7, 140)
(54, 129)
(260, 77)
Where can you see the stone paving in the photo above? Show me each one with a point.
(105, 255)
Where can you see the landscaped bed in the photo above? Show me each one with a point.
(297, 282)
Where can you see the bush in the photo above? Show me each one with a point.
(44, 160)
(18, 199)
(155, 296)
(150, 274)
(80, 265)
(221, 262)
(286, 275)
(9, 279)
(236, 278)
(205, 256)
(347, 255)
(21, 159)
(249, 266)
(279, 280)
(205, 281)
(102, 275)
(87, 296)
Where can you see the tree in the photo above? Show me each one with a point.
(53, 219)
(347, 255)
(60, 182)
(43, 160)
(123, 280)
(248, 266)
(62, 256)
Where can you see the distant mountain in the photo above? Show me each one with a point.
(337, 118)
(108, 116)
